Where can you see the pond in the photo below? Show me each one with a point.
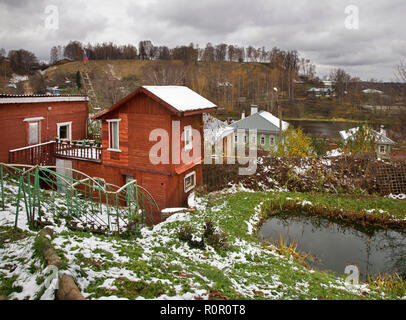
(336, 245)
(328, 129)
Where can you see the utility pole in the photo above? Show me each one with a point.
(279, 114)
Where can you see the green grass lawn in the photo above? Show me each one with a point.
(361, 203)
(158, 263)
(231, 263)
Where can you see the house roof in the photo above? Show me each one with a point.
(262, 121)
(215, 129)
(178, 99)
(38, 98)
(380, 138)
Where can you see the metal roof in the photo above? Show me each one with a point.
(262, 121)
(380, 138)
(38, 98)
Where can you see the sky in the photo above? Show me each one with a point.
(365, 38)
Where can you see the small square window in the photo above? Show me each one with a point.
(382, 149)
(65, 131)
(190, 181)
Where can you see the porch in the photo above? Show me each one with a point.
(44, 154)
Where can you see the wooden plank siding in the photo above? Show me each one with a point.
(14, 131)
(139, 116)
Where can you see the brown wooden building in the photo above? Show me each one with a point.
(163, 121)
(27, 120)
(127, 141)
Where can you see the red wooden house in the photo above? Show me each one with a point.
(127, 142)
(128, 139)
(27, 120)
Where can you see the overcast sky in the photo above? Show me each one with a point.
(316, 29)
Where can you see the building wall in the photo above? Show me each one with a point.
(14, 131)
(167, 190)
(139, 117)
(267, 146)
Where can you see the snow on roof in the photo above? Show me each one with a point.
(7, 99)
(274, 120)
(380, 138)
(214, 129)
(262, 121)
(180, 97)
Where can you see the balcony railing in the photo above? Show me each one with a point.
(45, 153)
(39, 154)
(78, 151)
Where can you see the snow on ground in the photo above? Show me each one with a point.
(103, 266)
(334, 153)
(397, 196)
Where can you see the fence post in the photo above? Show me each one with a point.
(2, 186)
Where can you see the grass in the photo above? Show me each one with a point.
(368, 209)
(159, 263)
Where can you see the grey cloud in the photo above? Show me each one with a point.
(315, 28)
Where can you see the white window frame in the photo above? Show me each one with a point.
(271, 140)
(193, 173)
(109, 121)
(384, 149)
(188, 137)
(236, 138)
(62, 124)
(262, 138)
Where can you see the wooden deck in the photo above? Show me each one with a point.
(44, 154)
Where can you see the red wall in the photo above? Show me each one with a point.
(14, 131)
(167, 190)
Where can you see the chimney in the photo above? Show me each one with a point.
(254, 109)
(383, 131)
(243, 115)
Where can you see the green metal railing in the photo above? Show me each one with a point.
(88, 203)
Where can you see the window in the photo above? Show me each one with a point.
(262, 140)
(190, 181)
(272, 140)
(245, 138)
(236, 138)
(114, 141)
(188, 137)
(382, 149)
(33, 133)
(64, 130)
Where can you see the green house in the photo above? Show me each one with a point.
(266, 126)
(383, 143)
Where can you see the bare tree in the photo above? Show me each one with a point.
(166, 73)
(341, 80)
(53, 55)
(22, 61)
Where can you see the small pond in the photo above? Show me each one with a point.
(337, 245)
